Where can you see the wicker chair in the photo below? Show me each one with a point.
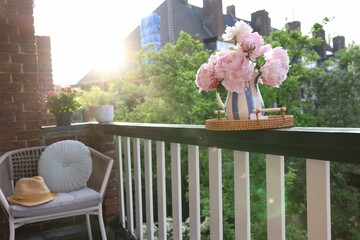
(24, 163)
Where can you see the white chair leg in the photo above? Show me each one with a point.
(88, 226)
(101, 224)
(11, 230)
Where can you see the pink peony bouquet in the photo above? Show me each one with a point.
(249, 58)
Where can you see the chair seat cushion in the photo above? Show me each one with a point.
(65, 166)
(83, 198)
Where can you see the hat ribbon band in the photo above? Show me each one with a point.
(31, 197)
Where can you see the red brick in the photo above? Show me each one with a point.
(7, 117)
(3, 18)
(20, 19)
(44, 56)
(27, 116)
(4, 37)
(5, 97)
(25, 9)
(31, 86)
(4, 57)
(30, 67)
(28, 48)
(111, 193)
(22, 38)
(10, 67)
(8, 146)
(28, 134)
(9, 48)
(4, 77)
(8, 8)
(113, 201)
(10, 87)
(28, 96)
(10, 107)
(43, 43)
(7, 136)
(10, 28)
(112, 183)
(23, 58)
(32, 105)
(46, 75)
(22, 77)
(11, 126)
(34, 143)
(32, 125)
(111, 211)
(23, 1)
(27, 28)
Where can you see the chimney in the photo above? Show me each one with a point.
(338, 43)
(295, 25)
(321, 49)
(261, 22)
(213, 17)
(230, 10)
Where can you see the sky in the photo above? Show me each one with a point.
(88, 33)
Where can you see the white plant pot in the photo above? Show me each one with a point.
(104, 114)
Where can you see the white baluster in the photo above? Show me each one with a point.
(118, 152)
(318, 199)
(128, 186)
(242, 195)
(176, 190)
(138, 190)
(194, 192)
(148, 191)
(215, 185)
(275, 189)
(161, 189)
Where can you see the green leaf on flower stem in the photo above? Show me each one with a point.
(259, 62)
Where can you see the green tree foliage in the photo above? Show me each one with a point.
(168, 81)
(161, 89)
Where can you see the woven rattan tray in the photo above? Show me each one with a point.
(271, 122)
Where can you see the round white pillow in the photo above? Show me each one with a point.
(65, 166)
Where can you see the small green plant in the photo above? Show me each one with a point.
(95, 97)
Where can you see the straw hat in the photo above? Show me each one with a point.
(31, 191)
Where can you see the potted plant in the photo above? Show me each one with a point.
(102, 102)
(62, 102)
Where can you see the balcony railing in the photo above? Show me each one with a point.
(138, 144)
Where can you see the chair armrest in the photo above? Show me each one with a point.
(101, 169)
(6, 184)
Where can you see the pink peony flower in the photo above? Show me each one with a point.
(252, 44)
(276, 67)
(205, 78)
(234, 68)
(240, 28)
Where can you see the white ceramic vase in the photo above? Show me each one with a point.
(239, 106)
(104, 113)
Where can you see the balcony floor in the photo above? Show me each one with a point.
(78, 232)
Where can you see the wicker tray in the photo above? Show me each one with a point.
(272, 121)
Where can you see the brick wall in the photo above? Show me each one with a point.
(19, 81)
(25, 76)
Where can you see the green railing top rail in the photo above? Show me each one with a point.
(333, 144)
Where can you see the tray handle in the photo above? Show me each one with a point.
(282, 111)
